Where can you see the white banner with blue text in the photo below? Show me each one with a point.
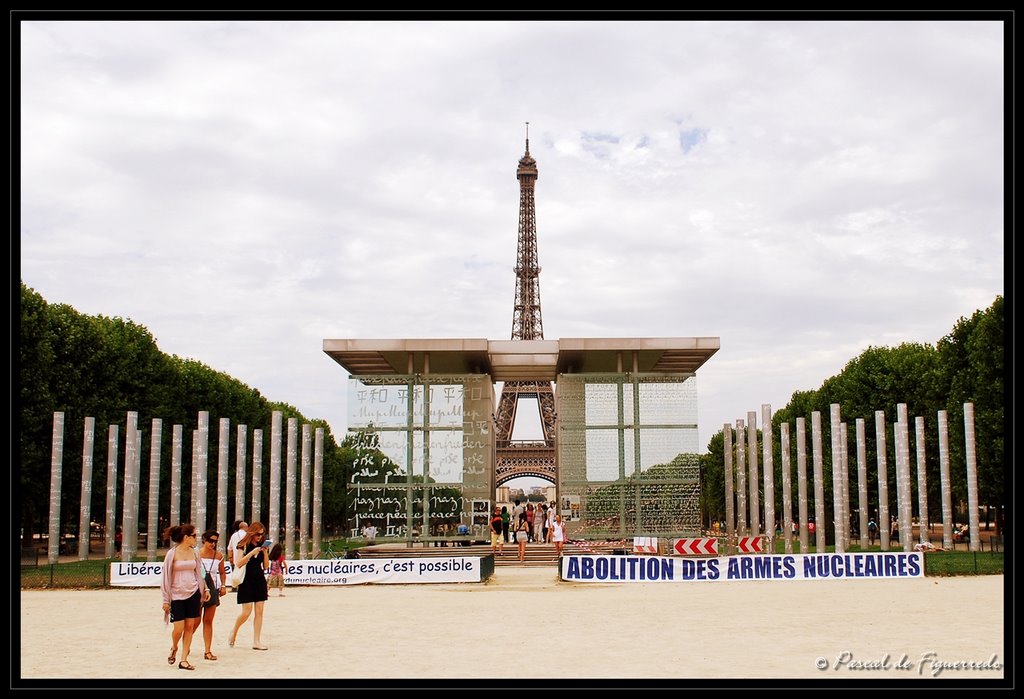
(811, 566)
(338, 571)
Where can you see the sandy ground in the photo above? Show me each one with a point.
(526, 626)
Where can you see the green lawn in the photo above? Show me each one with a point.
(945, 563)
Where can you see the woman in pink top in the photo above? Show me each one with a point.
(183, 590)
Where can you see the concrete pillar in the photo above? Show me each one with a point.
(862, 483)
(741, 480)
(110, 522)
(752, 478)
(56, 474)
(904, 489)
(838, 514)
(240, 441)
(130, 509)
(974, 526)
(305, 491)
(730, 507)
(289, 489)
(175, 511)
(223, 465)
(883, 480)
(819, 482)
(844, 441)
(85, 513)
(787, 488)
(274, 529)
(318, 479)
(767, 459)
(257, 475)
(944, 482)
(153, 507)
(922, 481)
(801, 481)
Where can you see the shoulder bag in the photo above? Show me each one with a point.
(214, 598)
(237, 575)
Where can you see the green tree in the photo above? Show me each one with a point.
(712, 480)
(973, 357)
(35, 413)
(100, 367)
(965, 366)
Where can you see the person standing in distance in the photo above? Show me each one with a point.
(240, 528)
(497, 540)
(522, 534)
(551, 522)
(370, 534)
(278, 566)
(238, 531)
(506, 523)
(558, 534)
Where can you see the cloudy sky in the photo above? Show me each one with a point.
(245, 190)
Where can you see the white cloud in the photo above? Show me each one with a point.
(246, 189)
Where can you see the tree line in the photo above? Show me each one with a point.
(103, 367)
(965, 366)
(95, 366)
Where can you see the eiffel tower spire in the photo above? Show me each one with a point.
(529, 457)
(526, 318)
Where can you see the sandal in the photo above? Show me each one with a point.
(209, 656)
(173, 656)
(186, 665)
(260, 648)
(231, 641)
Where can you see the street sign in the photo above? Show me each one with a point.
(696, 547)
(750, 544)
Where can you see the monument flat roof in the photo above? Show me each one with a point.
(522, 360)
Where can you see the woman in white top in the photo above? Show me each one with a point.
(183, 590)
(551, 521)
(558, 534)
(215, 576)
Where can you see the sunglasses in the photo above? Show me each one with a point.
(213, 541)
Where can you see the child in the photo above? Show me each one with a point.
(277, 567)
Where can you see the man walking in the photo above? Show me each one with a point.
(241, 527)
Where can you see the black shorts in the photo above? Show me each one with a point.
(182, 609)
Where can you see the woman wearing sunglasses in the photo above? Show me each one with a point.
(252, 592)
(215, 576)
(183, 590)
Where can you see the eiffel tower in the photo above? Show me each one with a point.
(515, 458)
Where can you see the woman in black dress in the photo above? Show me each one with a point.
(252, 592)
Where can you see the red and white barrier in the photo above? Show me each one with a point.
(696, 547)
(750, 544)
(645, 544)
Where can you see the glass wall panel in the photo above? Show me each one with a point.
(425, 448)
(627, 450)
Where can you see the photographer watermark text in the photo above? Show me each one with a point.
(928, 663)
